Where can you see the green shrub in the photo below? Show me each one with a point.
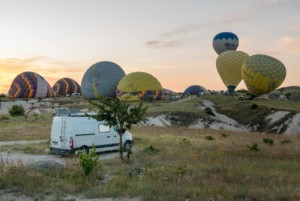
(151, 150)
(17, 110)
(89, 161)
(209, 137)
(224, 135)
(268, 141)
(209, 111)
(181, 170)
(285, 141)
(253, 147)
(3, 118)
(185, 141)
(254, 106)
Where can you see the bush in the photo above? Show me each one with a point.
(3, 118)
(89, 161)
(185, 141)
(181, 171)
(253, 147)
(209, 111)
(268, 141)
(285, 141)
(254, 106)
(209, 137)
(17, 110)
(151, 150)
(224, 135)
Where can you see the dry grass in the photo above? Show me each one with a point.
(31, 127)
(177, 163)
(29, 148)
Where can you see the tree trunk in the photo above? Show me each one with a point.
(121, 145)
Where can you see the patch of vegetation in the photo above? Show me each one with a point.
(151, 150)
(224, 135)
(209, 111)
(209, 138)
(89, 161)
(181, 171)
(185, 141)
(32, 128)
(285, 141)
(4, 118)
(30, 148)
(268, 141)
(17, 110)
(253, 147)
(202, 171)
(254, 106)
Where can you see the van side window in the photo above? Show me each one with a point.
(103, 128)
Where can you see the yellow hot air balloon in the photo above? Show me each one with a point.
(229, 65)
(139, 86)
(262, 74)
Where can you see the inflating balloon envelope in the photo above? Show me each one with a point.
(229, 65)
(262, 74)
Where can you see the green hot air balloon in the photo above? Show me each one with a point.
(101, 79)
(262, 74)
(229, 65)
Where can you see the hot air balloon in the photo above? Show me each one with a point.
(101, 79)
(195, 89)
(225, 41)
(229, 65)
(139, 86)
(262, 74)
(66, 86)
(30, 85)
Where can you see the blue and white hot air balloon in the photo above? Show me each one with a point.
(225, 41)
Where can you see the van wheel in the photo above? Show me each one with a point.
(127, 146)
(84, 149)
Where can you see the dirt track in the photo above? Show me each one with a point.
(16, 157)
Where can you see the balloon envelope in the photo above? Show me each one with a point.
(229, 65)
(30, 85)
(101, 79)
(262, 74)
(225, 41)
(195, 89)
(139, 86)
(66, 86)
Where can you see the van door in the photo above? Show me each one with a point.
(84, 132)
(105, 138)
(58, 129)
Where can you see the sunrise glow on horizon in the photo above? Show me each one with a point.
(171, 39)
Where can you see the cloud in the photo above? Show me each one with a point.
(164, 44)
(186, 29)
(179, 37)
(285, 45)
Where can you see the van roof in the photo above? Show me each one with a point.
(71, 112)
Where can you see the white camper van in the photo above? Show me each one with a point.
(73, 132)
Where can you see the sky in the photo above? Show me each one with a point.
(169, 39)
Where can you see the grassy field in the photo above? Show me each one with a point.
(169, 164)
(176, 163)
(31, 127)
